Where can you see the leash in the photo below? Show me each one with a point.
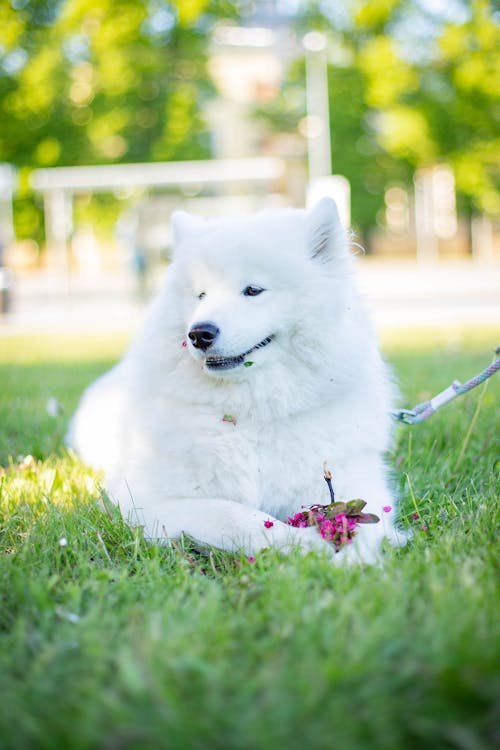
(426, 409)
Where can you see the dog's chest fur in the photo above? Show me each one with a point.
(267, 465)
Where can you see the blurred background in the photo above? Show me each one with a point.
(115, 112)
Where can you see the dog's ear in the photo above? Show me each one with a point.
(184, 224)
(325, 236)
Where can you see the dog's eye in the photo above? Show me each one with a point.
(201, 295)
(252, 291)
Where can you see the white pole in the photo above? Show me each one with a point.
(58, 206)
(318, 117)
(427, 240)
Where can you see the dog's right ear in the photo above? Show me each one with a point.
(184, 224)
(325, 235)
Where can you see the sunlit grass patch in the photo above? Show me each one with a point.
(460, 338)
(62, 347)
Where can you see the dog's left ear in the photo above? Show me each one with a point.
(325, 236)
(184, 224)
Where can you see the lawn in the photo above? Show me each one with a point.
(107, 642)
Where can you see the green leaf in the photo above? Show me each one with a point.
(334, 509)
(355, 506)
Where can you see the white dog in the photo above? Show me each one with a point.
(256, 365)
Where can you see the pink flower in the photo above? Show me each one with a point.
(351, 524)
(387, 508)
(299, 520)
(184, 343)
(415, 516)
(251, 560)
(268, 524)
(339, 529)
(327, 530)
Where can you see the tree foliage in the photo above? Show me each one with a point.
(102, 82)
(98, 82)
(442, 104)
(409, 87)
(126, 80)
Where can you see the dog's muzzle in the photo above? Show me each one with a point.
(228, 363)
(204, 334)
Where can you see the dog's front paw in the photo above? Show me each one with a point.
(365, 548)
(310, 540)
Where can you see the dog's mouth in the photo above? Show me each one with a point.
(228, 363)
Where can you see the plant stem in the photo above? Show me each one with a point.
(328, 480)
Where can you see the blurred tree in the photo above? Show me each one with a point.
(410, 86)
(102, 82)
(438, 96)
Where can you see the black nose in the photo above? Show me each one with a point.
(203, 335)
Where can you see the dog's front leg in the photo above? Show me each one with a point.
(365, 478)
(225, 524)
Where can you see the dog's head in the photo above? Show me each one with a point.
(255, 288)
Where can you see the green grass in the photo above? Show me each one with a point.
(107, 642)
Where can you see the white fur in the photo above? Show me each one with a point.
(317, 393)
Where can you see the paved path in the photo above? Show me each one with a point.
(399, 294)
(408, 295)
